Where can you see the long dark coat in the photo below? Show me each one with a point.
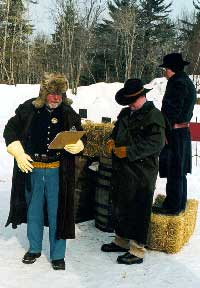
(134, 177)
(177, 107)
(17, 129)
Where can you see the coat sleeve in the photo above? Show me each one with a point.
(148, 143)
(13, 127)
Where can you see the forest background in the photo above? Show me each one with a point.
(96, 40)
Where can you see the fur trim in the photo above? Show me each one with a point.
(67, 101)
(52, 83)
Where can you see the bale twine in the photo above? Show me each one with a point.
(170, 233)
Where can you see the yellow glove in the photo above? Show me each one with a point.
(74, 148)
(120, 152)
(110, 145)
(23, 160)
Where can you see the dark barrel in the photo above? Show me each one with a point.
(103, 204)
(85, 185)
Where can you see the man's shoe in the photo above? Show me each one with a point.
(30, 258)
(112, 247)
(58, 264)
(129, 259)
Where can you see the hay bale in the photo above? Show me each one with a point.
(97, 136)
(170, 233)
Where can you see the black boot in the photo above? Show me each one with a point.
(165, 211)
(30, 258)
(112, 247)
(58, 264)
(129, 259)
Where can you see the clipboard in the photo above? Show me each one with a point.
(65, 137)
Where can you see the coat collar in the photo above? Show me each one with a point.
(138, 114)
(177, 75)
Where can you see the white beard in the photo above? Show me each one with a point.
(53, 105)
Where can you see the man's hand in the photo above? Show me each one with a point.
(24, 163)
(120, 152)
(110, 145)
(74, 148)
(23, 160)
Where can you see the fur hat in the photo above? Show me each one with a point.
(133, 89)
(52, 83)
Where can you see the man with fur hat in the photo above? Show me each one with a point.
(176, 159)
(136, 141)
(43, 179)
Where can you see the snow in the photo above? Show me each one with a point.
(86, 265)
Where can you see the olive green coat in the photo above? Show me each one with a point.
(134, 177)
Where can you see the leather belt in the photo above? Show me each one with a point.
(181, 125)
(43, 165)
(45, 158)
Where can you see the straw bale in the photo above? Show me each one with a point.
(170, 233)
(97, 136)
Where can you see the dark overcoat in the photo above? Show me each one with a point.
(17, 129)
(134, 177)
(177, 107)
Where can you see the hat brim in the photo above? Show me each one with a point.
(122, 100)
(165, 65)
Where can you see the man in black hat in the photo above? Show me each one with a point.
(136, 141)
(43, 179)
(176, 159)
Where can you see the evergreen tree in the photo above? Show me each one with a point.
(118, 37)
(156, 30)
(194, 41)
(189, 37)
(137, 34)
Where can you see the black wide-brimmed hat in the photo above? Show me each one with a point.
(174, 61)
(133, 88)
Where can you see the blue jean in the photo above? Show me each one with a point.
(43, 186)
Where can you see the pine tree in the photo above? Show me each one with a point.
(194, 41)
(118, 36)
(156, 30)
(189, 37)
(137, 34)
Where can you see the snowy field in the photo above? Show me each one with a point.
(86, 265)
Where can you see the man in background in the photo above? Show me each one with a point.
(176, 157)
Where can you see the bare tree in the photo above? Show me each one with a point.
(125, 26)
(3, 57)
(74, 37)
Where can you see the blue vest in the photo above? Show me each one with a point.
(45, 125)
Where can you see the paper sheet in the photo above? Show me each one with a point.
(65, 137)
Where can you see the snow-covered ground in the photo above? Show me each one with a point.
(86, 265)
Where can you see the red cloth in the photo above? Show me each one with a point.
(195, 131)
